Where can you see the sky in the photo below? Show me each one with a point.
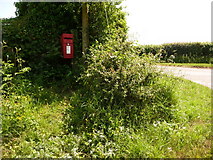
(157, 21)
(167, 21)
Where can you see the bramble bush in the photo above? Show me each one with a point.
(120, 93)
(119, 88)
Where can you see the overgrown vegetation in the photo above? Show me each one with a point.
(195, 52)
(33, 127)
(121, 87)
(110, 103)
(38, 27)
(122, 107)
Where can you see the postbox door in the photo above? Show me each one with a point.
(68, 49)
(67, 45)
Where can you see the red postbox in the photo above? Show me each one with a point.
(67, 45)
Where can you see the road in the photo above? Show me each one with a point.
(201, 76)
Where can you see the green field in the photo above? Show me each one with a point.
(34, 129)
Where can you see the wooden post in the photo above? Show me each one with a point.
(85, 27)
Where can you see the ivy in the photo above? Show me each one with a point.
(38, 27)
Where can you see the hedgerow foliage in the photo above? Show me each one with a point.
(196, 52)
(118, 91)
(119, 88)
(38, 26)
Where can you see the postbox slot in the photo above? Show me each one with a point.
(67, 41)
(67, 38)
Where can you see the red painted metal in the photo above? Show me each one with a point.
(67, 45)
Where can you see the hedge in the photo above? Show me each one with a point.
(194, 52)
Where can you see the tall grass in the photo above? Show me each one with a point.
(125, 108)
(34, 129)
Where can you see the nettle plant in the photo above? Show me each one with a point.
(12, 68)
(120, 88)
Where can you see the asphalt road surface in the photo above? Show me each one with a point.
(201, 76)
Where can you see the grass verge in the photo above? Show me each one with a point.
(41, 133)
(194, 65)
